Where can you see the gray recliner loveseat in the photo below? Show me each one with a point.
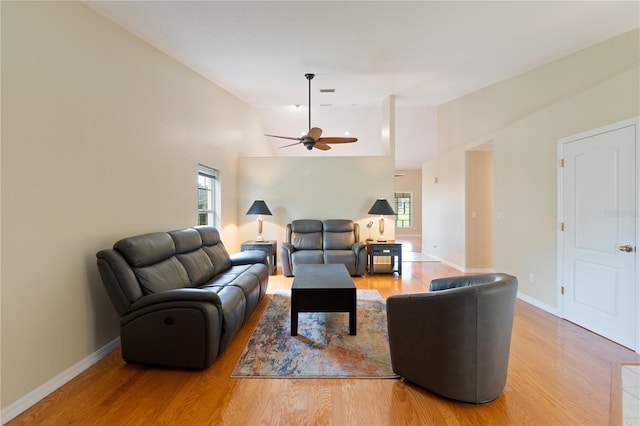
(311, 241)
(180, 296)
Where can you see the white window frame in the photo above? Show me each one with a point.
(208, 179)
(403, 194)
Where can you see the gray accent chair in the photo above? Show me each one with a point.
(454, 340)
(311, 241)
(180, 296)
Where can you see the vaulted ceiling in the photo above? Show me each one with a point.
(424, 53)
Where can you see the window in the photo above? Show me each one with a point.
(403, 210)
(208, 187)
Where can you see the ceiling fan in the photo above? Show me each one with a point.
(312, 139)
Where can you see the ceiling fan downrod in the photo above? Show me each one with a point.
(309, 77)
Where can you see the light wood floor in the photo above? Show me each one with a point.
(559, 374)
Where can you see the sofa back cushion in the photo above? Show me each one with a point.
(151, 257)
(305, 234)
(191, 255)
(339, 234)
(147, 249)
(213, 247)
(166, 275)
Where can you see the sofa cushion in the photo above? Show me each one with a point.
(213, 247)
(307, 256)
(338, 235)
(163, 276)
(346, 257)
(194, 259)
(186, 240)
(306, 234)
(147, 249)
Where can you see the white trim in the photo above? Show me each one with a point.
(446, 262)
(30, 399)
(460, 268)
(538, 304)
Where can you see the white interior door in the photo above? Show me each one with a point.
(599, 239)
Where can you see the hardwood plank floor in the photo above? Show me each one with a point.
(559, 374)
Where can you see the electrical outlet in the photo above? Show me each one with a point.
(531, 277)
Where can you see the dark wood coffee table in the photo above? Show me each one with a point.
(323, 288)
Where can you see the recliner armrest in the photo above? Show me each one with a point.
(358, 246)
(248, 257)
(178, 295)
(288, 247)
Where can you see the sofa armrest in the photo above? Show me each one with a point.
(286, 251)
(178, 295)
(176, 328)
(288, 247)
(358, 246)
(249, 257)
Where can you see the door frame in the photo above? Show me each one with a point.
(560, 249)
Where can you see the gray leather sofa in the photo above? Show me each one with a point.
(330, 241)
(455, 340)
(180, 296)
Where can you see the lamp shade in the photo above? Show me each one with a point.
(381, 207)
(259, 207)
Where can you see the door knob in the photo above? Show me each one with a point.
(626, 248)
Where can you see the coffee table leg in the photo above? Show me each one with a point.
(294, 313)
(352, 315)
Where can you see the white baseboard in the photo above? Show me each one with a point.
(530, 300)
(538, 304)
(45, 389)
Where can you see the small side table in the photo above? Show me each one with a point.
(385, 249)
(269, 247)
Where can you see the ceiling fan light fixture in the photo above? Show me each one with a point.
(312, 138)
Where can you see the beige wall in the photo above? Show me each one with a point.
(313, 188)
(411, 181)
(480, 113)
(479, 211)
(443, 208)
(525, 116)
(101, 138)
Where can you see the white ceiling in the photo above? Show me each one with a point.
(424, 53)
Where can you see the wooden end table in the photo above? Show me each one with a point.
(385, 249)
(268, 247)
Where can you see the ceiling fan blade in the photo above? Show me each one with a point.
(322, 146)
(297, 143)
(337, 140)
(315, 133)
(284, 137)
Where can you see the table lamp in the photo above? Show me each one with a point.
(260, 208)
(381, 207)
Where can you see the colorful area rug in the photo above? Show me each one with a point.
(323, 346)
